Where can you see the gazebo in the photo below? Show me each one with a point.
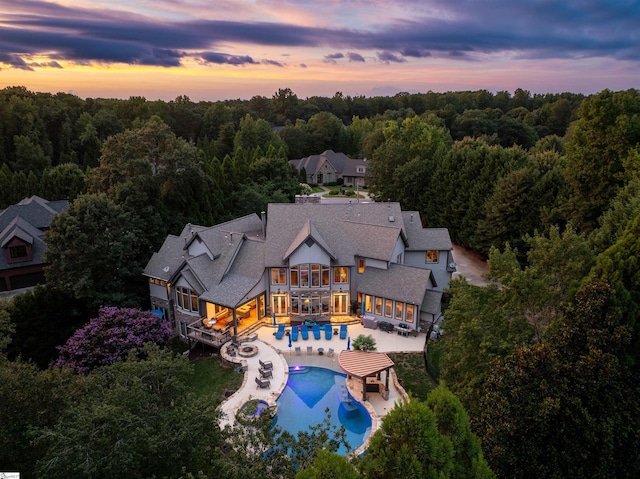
(365, 364)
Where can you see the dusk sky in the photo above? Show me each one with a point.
(221, 49)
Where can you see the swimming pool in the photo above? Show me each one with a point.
(309, 391)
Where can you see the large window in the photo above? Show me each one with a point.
(278, 275)
(409, 317)
(304, 275)
(378, 309)
(431, 256)
(399, 310)
(341, 274)
(367, 303)
(307, 304)
(388, 307)
(315, 275)
(361, 265)
(187, 299)
(309, 275)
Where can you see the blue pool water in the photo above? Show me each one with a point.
(311, 390)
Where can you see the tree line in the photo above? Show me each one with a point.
(546, 186)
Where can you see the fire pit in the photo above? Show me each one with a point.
(247, 350)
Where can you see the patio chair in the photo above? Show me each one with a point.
(266, 373)
(309, 350)
(294, 333)
(327, 331)
(280, 331)
(316, 331)
(330, 352)
(265, 364)
(343, 331)
(263, 383)
(304, 332)
(298, 351)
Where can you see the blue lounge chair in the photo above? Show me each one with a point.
(280, 331)
(327, 331)
(305, 331)
(343, 331)
(294, 333)
(316, 331)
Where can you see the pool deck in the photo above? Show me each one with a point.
(278, 352)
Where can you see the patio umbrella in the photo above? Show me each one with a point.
(289, 341)
(274, 319)
(348, 343)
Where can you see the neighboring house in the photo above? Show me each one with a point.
(22, 228)
(302, 262)
(331, 167)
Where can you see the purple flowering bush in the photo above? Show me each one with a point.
(111, 336)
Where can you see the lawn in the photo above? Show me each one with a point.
(212, 379)
(412, 374)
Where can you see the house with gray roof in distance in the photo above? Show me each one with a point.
(302, 263)
(332, 167)
(22, 229)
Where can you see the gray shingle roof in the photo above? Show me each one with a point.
(35, 210)
(422, 239)
(432, 302)
(399, 282)
(28, 221)
(245, 273)
(346, 228)
(308, 231)
(339, 161)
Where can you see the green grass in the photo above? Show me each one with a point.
(412, 374)
(212, 379)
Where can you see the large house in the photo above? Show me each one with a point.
(22, 228)
(332, 167)
(302, 263)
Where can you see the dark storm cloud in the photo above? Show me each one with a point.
(332, 57)
(388, 57)
(466, 28)
(224, 59)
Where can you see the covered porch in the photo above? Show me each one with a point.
(221, 323)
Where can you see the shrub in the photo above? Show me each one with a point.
(364, 343)
(111, 336)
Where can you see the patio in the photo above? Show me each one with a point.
(282, 356)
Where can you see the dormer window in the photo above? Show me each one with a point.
(360, 169)
(18, 252)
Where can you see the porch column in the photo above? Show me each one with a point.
(364, 388)
(235, 323)
(386, 379)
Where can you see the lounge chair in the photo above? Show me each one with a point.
(298, 351)
(330, 352)
(280, 331)
(327, 331)
(263, 383)
(316, 331)
(265, 364)
(343, 331)
(294, 333)
(304, 331)
(266, 373)
(309, 350)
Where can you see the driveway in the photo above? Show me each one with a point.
(470, 265)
